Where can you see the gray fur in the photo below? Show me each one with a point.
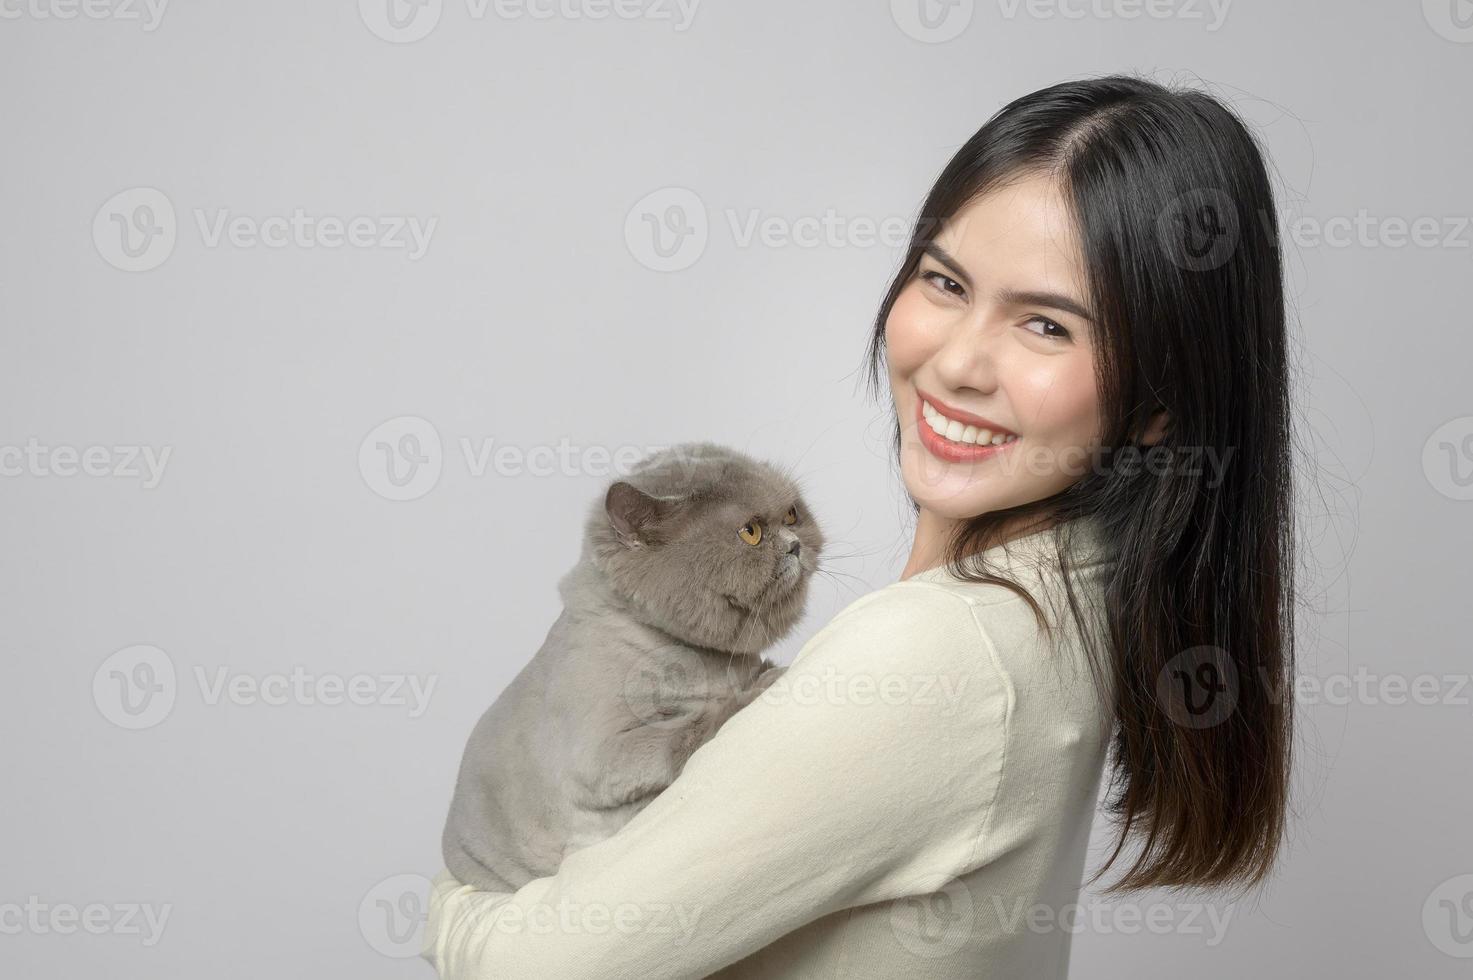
(664, 620)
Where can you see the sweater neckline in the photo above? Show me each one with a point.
(1032, 551)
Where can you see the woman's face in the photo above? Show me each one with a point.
(993, 332)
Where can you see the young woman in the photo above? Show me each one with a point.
(1085, 349)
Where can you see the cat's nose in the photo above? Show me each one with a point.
(795, 547)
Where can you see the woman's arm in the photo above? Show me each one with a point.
(868, 769)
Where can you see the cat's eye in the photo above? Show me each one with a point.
(751, 532)
(791, 517)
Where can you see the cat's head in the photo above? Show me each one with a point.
(712, 546)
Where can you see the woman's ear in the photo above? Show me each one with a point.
(1157, 428)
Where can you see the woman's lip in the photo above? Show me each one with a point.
(965, 418)
(953, 452)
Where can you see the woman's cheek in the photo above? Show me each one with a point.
(909, 334)
(1060, 401)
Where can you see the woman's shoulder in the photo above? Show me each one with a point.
(982, 635)
(920, 607)
(934, 603)
(912, 625)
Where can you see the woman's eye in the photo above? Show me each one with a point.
(943, 282)
(751, 532)
(1061, 334)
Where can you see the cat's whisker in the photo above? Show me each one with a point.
(845, 585)
(829, 554)
(831, 570)
(790, 468)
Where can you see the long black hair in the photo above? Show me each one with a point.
(1169, 193)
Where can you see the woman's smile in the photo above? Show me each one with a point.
(952, 436)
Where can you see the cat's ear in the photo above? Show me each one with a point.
(634, 513)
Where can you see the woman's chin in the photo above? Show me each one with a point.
(956, 508)
(954, 493)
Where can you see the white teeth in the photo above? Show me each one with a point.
(958, 432)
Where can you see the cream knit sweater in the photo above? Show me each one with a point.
(913, 798)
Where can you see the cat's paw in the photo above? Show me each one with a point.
(764, 680)
(762, 683)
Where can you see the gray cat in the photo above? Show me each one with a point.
(691, 566)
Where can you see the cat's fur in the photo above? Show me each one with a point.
(664, 620)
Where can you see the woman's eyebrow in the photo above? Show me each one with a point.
(952, 265)
(1054, 301)
(1010, 297)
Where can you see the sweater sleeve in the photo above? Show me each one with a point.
(865, 773)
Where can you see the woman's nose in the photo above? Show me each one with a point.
(968, 357)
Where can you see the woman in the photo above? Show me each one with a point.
(1086, 355)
